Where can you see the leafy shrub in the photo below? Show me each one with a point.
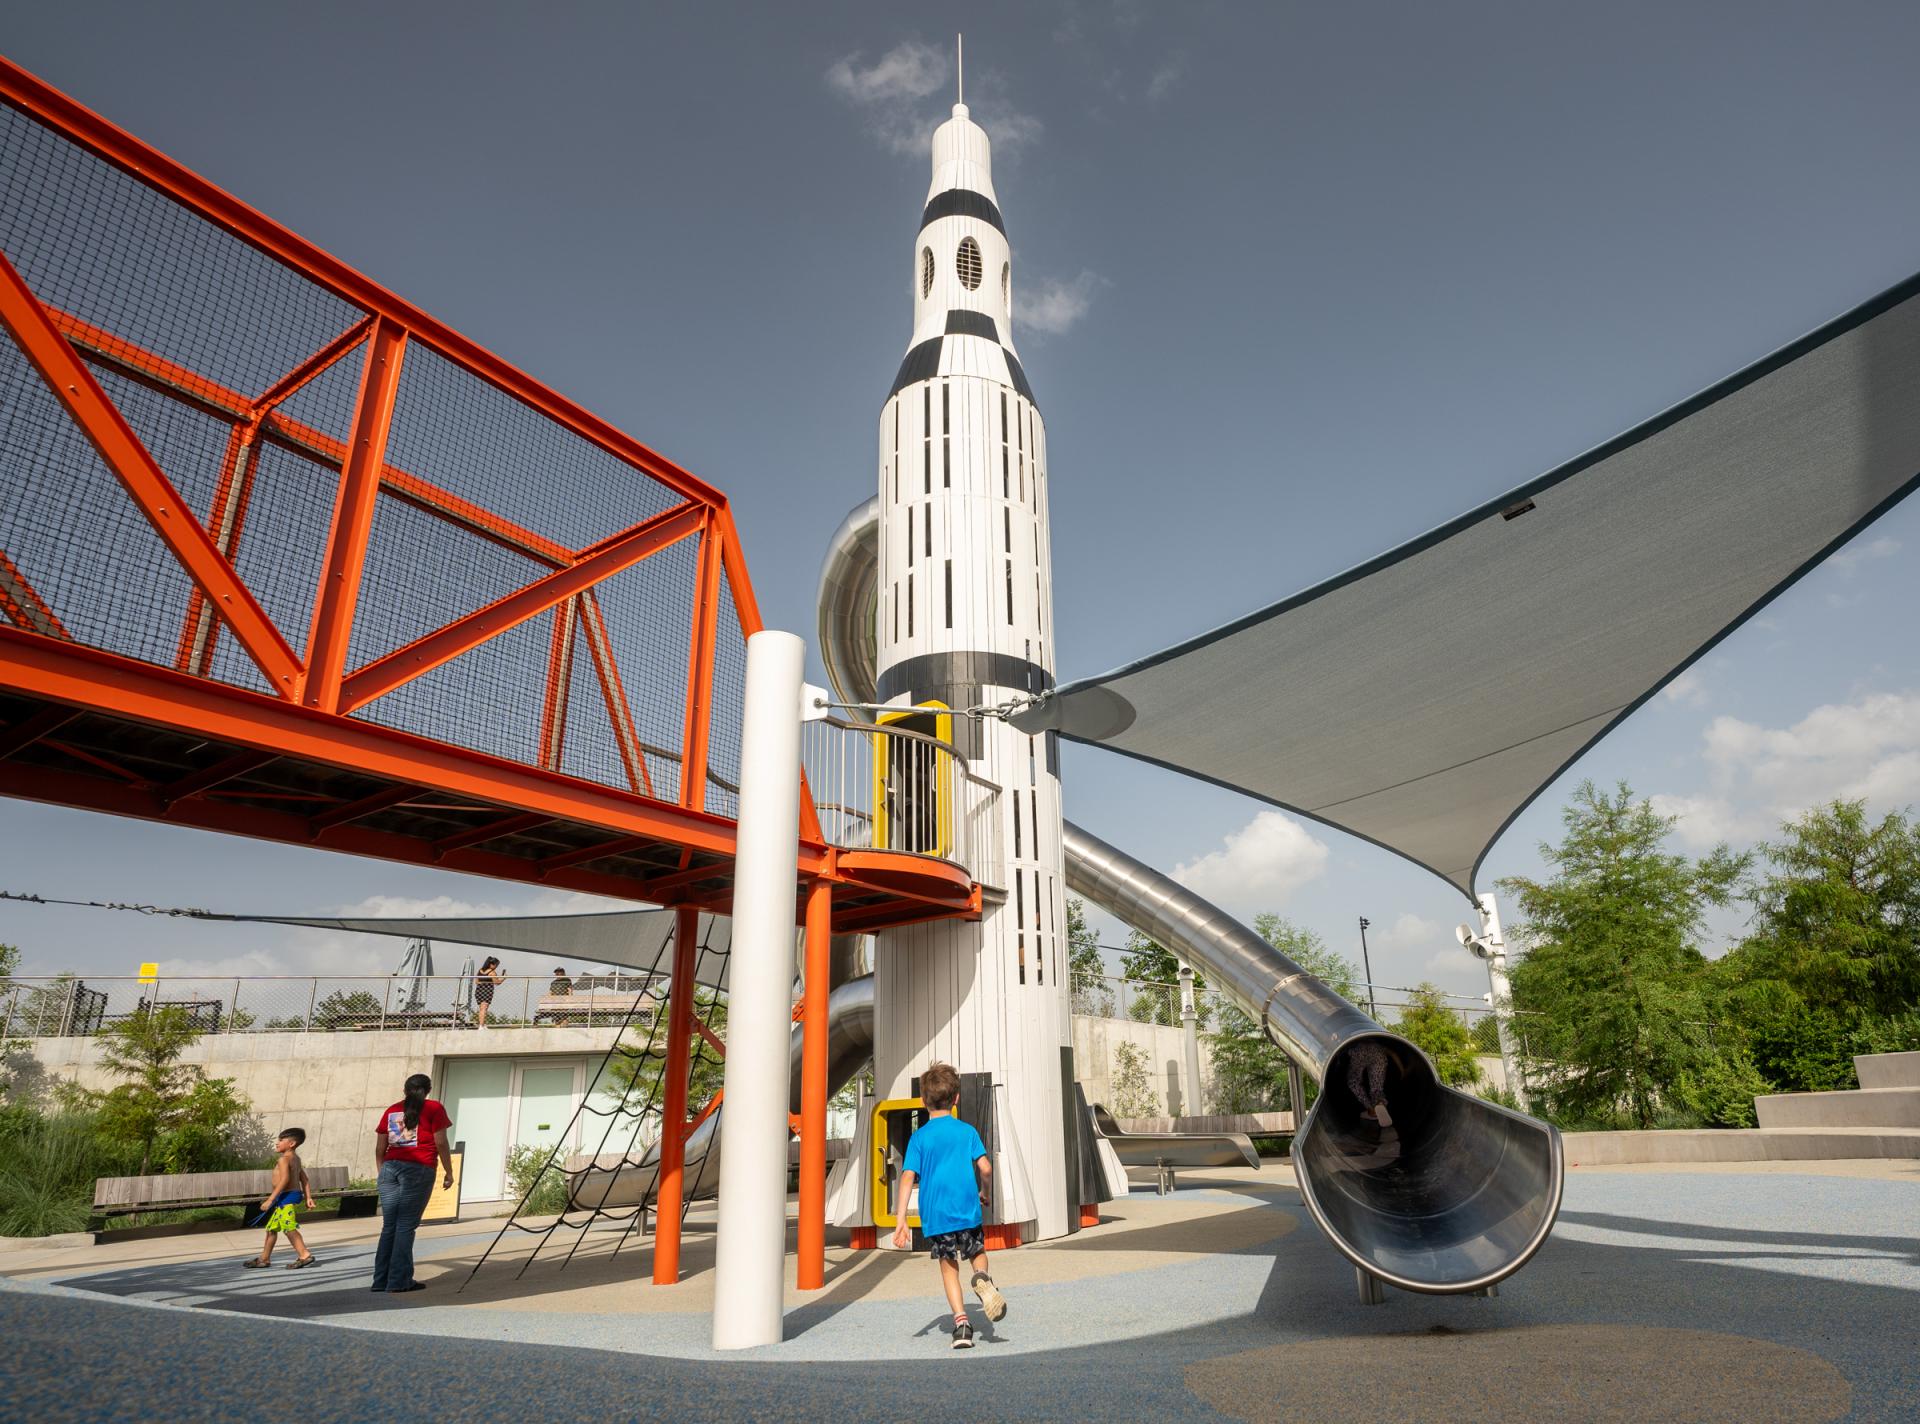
(541, 1189)
(47, 1170)
(1722, 1094)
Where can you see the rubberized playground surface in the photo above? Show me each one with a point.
(1663, 1294)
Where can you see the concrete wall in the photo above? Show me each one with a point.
(1094, 1040)
(331, 1084)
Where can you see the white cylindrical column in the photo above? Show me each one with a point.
(1190, 1024)
(750, 1260)
(1500, 992)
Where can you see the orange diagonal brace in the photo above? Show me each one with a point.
(23, 606)
(321, 361)
(712, 1106)
(713, 1041)
(68, 377)
(633, 752)
(605, 559)
(346, 555)
(706, 617)
(553, 711)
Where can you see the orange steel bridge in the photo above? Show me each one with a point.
(285, 557)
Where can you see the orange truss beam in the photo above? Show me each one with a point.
(604, 560)
(172, 519)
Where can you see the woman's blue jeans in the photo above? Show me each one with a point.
(404, 1189)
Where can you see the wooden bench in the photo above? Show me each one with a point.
(188, 1191)
(602, 1008)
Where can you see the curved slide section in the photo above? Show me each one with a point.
(1457, 1196)
(622, 1183)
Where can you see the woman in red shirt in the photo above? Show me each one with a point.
(407, 1139)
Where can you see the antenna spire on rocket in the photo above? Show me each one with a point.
(960, 69)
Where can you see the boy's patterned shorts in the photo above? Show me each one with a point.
(282, 1219)
(957, 1246)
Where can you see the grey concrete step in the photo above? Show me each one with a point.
(1888, 1070)
(1861, 1107)
(1734, 1144)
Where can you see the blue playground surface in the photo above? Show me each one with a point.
(1704, 1294)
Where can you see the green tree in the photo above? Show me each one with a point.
(344, 1009)
(1092, 994)
(1618, 989)
(1429, 1024)
(1143, 961)
(177, 1115)
(637, 1071)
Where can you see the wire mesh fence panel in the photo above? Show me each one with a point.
(241, 374)
(79, 1006)
(727, 707)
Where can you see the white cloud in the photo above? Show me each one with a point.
(1869, 747)
(1260, 864)
(910, 70)
(1854, 555)
(1690, 688)
(1054, 307)
(1702, 822)
(893, 92)
(1167, 77)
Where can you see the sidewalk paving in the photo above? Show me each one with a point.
(1678, 1295)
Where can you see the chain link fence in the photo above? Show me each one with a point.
(81, 1006)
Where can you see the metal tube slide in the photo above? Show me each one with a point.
(1458, 1195)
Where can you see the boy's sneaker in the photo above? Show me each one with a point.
(991, 1300)
(963, 1334)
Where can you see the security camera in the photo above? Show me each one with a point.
(1470, 941)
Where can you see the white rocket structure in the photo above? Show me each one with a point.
(965, 620)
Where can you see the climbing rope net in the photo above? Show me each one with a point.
(637, 1069)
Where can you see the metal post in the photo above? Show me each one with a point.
(1366, 963)
(673, 1112)
(313, 993)
(1501, 992)
(750, 1258)
(811, 1273)
(1190, 1026)
(233, 1010)
(1296, 1097)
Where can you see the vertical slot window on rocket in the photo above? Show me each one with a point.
(926, 270)
(1006, 469)
(946, 436)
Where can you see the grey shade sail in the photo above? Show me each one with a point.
(1422, 700)
(630, 939)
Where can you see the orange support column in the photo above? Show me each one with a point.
(673, 1117)
(812, 1270)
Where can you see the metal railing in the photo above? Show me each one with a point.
(84, 1005)
(886, 787)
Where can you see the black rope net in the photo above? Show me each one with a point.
(639, 1071)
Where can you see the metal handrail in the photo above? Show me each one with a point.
(77, 1005)
(885, 787)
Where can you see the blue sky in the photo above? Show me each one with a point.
(1293, 284)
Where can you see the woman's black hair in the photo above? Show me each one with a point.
(489, 962)
(416, 1096)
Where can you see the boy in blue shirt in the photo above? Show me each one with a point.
(944, 1156)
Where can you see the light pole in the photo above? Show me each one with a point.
(1366, 965)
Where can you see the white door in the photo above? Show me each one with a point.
(545, 1095)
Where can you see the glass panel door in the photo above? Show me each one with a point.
(477, 1096)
